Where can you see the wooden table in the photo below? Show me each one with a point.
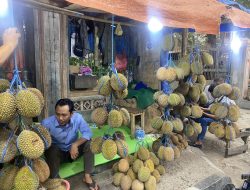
(133, 113)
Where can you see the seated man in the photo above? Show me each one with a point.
(207, 117)
(66, 146)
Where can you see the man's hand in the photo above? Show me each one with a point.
(10, 37)
(74, 151)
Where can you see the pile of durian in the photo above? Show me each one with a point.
(115, 118)
(116, 84)
(139, 171)
(226, 112)
(110, 146)
(22, 142)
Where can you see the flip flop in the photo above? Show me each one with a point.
(196, 145)
(92, 185)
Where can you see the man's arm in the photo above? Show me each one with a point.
(10, 41)
(210, 115)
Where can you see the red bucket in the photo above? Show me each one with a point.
(66, 184)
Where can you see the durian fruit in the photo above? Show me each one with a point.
(168, 154)
(8, 148)
(230, 133)
(122, 148)
(233, 113)
(96, 145)
(235, 94)
(26, 179)
(196, 111)
(28, 105)
(7, 101)
(38, 94)
(99, 116)
(183, 88)
(221, 112)
(197, 128)
(174, 99)
(154, 158)
(182, 102)
(123, 165)
(170, 74)
(157, 175)
(131, 174)
(177, 152)
(43, 134)
(194, 93)
(118, 83)
(179, 73)
(167, 127)
(125, 116)
(161, 169)
(126, 182)
(216, 92)
(162, 100)
(197, 67)
(220, 131)
(115, 168)
(117, 178)
(150, 183)
(189, 130)
(207, 59)
(137, 165)
(200, 86)
(4, 85)
(144, 174)
(104, 87)
(236, 129)
(30, 144)
(130, 158)
(157, 94)
(160, 73)
(203, 99)
(41, 168)
(137, 185)
(118, 135)
(121, 94)
(202, 80)
(156, 145)
(223, 89)
(177, 124)
(143, 153)
(8, 174)
(185, 66)
(115, 118)
(213, 107)
(156, 122)
(185, 111)
(109, 149)
(52, 184)
(174, 85)
(160, 152)
(213, 126)
(150, 164)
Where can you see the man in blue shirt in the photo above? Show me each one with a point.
(66, 146)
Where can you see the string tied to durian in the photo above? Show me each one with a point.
(6, 146)
(41, 135)
(166, 141)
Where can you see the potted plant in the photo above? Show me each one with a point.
(74, 65)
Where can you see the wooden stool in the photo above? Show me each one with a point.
(229, 151)
(133, 113)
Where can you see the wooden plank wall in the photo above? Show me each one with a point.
(51, 52)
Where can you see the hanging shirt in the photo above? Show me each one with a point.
(210, 98)
(64, 136)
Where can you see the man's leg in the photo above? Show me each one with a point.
(54, 156)
(204, 121)
(89, 161)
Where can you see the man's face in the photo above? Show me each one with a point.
(63, 115)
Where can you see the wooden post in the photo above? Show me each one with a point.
(184, 42)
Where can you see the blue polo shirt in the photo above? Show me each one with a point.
(64, 136)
